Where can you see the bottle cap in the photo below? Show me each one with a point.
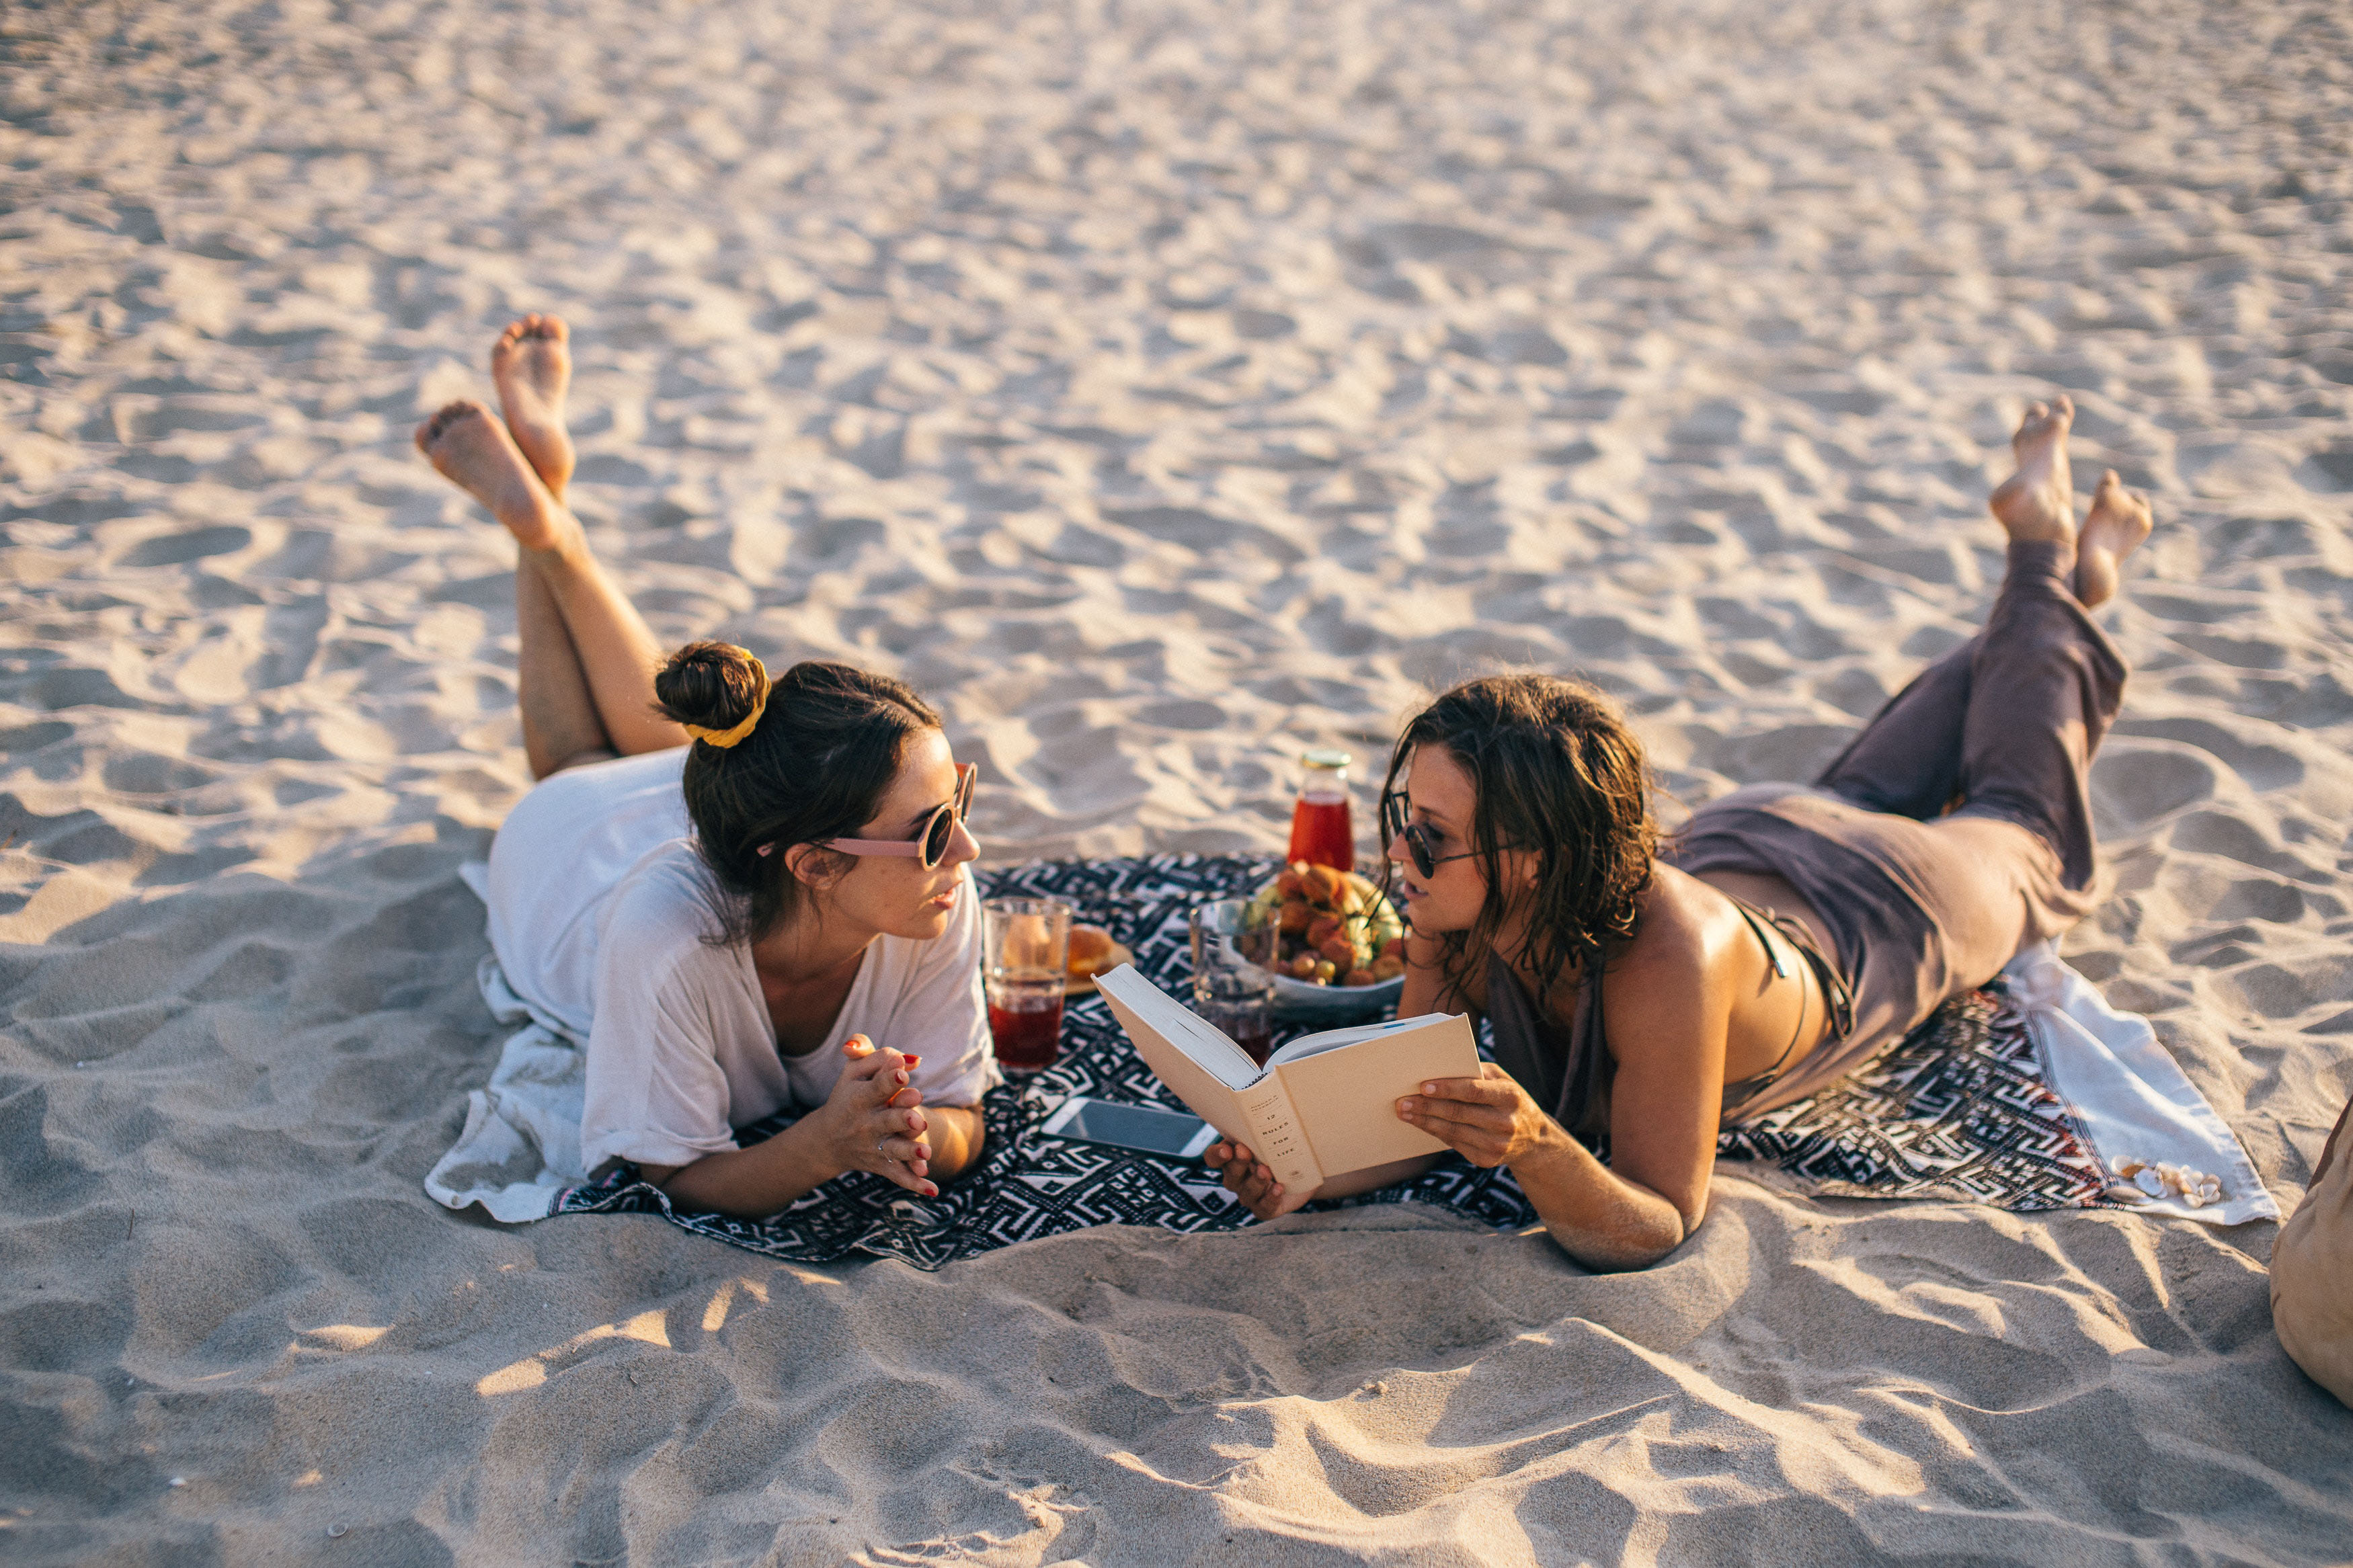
(1325, 757)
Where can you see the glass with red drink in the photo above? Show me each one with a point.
(1025, 958)
(1233, 984)
(1320, 831)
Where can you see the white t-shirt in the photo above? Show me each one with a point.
(599, 907)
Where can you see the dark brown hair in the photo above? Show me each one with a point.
(815, 767)
(1560, 775)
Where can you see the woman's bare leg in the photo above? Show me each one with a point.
(610, 652)
(561, 726)
(531, 364)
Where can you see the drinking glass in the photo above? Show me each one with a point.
(1233, 986)
(1025, 958)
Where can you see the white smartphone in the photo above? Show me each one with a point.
(1144, 1129)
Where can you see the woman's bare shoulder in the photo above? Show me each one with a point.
(1686, 928)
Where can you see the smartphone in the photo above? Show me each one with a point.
(1145, 1129)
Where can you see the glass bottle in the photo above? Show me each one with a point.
(1321, 833)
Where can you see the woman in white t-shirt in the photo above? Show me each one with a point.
(745, 896)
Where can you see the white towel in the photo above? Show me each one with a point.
(2127, 1094)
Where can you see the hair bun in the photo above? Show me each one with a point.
(710, 685)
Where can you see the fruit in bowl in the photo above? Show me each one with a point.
(1334, 928)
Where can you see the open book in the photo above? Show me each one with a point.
(1323, 1106)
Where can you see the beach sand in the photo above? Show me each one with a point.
(1161, 388)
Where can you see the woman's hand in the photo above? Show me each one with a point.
(1489, 1119)
(1601, 1217)
(870, 1121)
(1251, 1182)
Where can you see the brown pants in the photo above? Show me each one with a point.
(2312, 1269)
(1922, 903)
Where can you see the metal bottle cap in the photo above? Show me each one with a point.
(1325, 757)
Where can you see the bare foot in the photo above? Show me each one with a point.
(474, 451)
(532, 364)
(2037, 504)
(2120, 520)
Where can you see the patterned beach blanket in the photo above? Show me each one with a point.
(1960, 1110)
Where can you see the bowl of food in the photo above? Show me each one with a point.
(1339, 943)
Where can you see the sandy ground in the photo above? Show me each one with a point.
(1161, 387)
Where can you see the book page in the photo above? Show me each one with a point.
(1333, 1039)
(1182, 1027)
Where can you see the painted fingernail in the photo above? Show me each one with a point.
(911, 1060)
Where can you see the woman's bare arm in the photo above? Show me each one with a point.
(871, 1121)
(1427, 987)
(1670, 1002)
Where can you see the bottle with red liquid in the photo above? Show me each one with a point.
(1321, 833)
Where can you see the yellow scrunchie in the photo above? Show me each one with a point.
(723, 739)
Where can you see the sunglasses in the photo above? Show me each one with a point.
(930, 842)
(1396, 822)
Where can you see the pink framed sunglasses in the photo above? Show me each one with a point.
(929, 844)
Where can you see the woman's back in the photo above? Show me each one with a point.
(559, 854)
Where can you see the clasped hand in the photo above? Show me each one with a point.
(1488, 1119)
(870, 1119)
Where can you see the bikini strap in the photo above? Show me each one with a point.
(1835, 989)
(1836, 994)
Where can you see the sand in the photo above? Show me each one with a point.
(1161, 387)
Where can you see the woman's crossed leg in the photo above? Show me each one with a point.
(584, 674)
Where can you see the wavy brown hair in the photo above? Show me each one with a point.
(1559, 775)
(815, 767)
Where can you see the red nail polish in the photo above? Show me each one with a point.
(911, 1060)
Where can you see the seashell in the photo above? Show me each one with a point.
(2123, 1193)
(2163, 1178)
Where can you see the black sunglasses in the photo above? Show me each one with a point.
(1396, 822)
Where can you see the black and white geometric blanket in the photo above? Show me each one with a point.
(1960, 1110)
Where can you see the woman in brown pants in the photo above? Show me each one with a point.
(1642, 994)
